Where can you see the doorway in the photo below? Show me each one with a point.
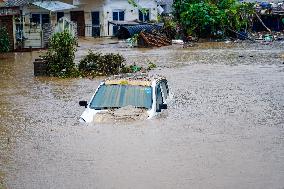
(7, 22)
(79, 18)
(96, 24)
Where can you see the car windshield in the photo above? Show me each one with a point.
(117, 96)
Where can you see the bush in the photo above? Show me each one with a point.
(99, 64)
(4, 40)
(170, 26)
(61, 54)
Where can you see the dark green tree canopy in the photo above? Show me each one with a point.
(212, 16)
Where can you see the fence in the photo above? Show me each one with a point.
(37, 35)
(92, 30)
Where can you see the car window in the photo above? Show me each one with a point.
(165, 90)
(159, 97)
(116, 96)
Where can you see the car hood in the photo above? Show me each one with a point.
(124, 114)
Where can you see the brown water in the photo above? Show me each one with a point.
(223, 128)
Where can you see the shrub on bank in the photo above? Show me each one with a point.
(99, 64)
(61, 54)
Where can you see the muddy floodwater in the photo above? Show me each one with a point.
(224, 127)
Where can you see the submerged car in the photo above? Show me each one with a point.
(126, 97)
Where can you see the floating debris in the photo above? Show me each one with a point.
(152, 40)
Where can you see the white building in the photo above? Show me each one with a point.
(26, 19)
(93, 17)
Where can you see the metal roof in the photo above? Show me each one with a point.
(128, 31)
(13, 3)
(54, 5)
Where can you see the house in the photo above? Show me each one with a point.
(94, 17)
(9, 12)
(102, 17)
(31, 22)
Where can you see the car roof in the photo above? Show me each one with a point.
(140, 79)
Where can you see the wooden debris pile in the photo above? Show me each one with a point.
(152, 40)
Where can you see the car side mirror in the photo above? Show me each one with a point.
(83, 103)
(163, 106)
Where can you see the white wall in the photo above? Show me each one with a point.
(131, 13)
(88, 6)
(28, 10)
(106, 7)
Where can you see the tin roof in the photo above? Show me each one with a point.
(12, 3)
(46, 4)
(54, 5)
(128, 31)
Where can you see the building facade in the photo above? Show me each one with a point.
(29, 21)
(93, 17)
(166, 5)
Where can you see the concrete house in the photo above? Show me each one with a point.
(9, 14)
(31, 22)
(94, 17)
(29, 25)
(101, 17)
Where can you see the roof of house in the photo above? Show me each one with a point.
(13, 3)
(53, 5)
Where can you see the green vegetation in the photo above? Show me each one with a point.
(211, 18)
(135, 4)
(61, 54)
(170, 28)
(4, 40)
(133, 40)
(96, 64)
(151, 66)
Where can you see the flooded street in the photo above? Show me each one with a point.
(224, 127)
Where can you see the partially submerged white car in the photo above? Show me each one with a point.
(144, 95)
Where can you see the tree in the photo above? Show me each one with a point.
(61, 54)
(212, 17)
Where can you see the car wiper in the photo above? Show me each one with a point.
(105, 108)
(111, 107)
